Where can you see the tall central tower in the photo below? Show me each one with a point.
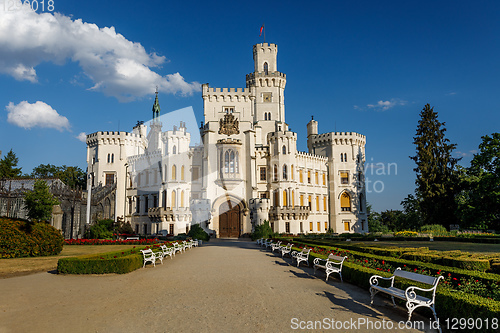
(269, 86)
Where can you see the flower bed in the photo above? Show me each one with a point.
(111, 242)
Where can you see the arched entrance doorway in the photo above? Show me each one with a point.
(229, 219)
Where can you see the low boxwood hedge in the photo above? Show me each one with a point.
(119, 262)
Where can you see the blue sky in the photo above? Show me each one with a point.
(363, 66)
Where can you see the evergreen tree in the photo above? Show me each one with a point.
(8, 166)
(39, 202)
(436, 175)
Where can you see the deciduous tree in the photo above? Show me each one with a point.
(39, 202)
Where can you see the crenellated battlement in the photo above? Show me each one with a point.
(113, 138)
(301, 154)
(265, 47)
(339, 138)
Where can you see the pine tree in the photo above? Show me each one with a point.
(39, 202)
(436, 175)
(8, 166)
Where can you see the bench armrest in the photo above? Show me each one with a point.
(318, 260)
(411, 295)
(329, 264)
(374, 279)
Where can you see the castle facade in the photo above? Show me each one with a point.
(246, 170)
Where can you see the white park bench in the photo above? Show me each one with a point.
(410, 295)
(301, 256)
(269, 243)
(286, 250)
(187, 245)
(333, 264)
(259, 241)
(150, 256)
(275, 246)
(266, 243)
(167, 251)
(177, 247)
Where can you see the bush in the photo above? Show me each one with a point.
(102, 229)
(24, 239)
(406, 233)
(262, 231)
(119, 262)
(197, 232)
(434, 229)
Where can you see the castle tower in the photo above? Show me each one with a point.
(269, 87)
(312, 131)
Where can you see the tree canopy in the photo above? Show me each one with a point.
(8, 166)
(70, 175)
(39, 202)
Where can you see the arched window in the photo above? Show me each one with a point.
(174, 150)
(226, 162)
(301, 176)
(324, 203)
(231, 162)
(345, 202)
(293, 198)
(283, 150)
(182, 172)
(310, 203)
(341, 157)
(309, 177)
(317, 203)
(266, 68)
(291, 171)
(285, 174)
(174, 172)
(109, 158)
(316, 177)
(275, 173)
(324, 179)
(173, 203)
(236, 163)
(276, 198)
(265, 115)
(182, 199)
(302, 200)
(112, 158)
(361, 202)
(269, 116)
(345, 157)
(285, 201)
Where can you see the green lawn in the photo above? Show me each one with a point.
(23, 266)
(443, 246)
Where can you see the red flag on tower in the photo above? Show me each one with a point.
(261, 28)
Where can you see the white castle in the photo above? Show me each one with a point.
(246, 170)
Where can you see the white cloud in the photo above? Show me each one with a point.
(118, 67)
(38, 114)
(82, 137)
(386, 105)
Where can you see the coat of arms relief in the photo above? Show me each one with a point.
(229, 125)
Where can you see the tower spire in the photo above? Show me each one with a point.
(156, 106)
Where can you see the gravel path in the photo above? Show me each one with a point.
(222, 286)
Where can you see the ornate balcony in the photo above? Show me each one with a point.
(289, 213)
(160, 214)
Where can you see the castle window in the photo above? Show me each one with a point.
(155, 201)
(285, 174)
(231, 162)
(275, 173)
(345, 157)
(236, 164)
(309, 177)
(173, 203)
(110, 179)
(137, 204)
(341, 157)
(344, 178)
(174, 172)
(228, 110)
(302, 200)
(130, 205)
(283, 150)
(285, 201)
(310, 203)
(265, 115)
(361, 202)
(146, 203)
(182, 172)
(324, 203)
(109, 158)
(112, 158)
(164, 197)
(182, 199)
(317, 205)
(326, 226)
(319, 226)
(263, 173)
(345, 202)
(347, 225)
(291, 171)
(174, 150)
(310, 226)
(293, 198)
(226, 162)
(324, 179)
(301, 176)
(269, 116)
(316, 177)
(287, 227)
(266, 68)
(276, 198)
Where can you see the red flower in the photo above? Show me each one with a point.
(114, 256)
(454, 279)
(383, 262)
(415, 269)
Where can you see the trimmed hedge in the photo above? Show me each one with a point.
(119, 262)
(447, 258)
(449, 303)
(24, 239)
